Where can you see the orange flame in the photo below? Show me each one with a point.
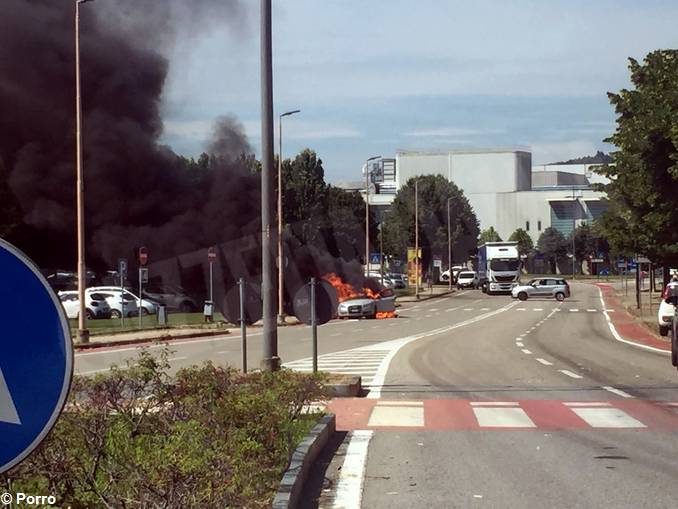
(386, 314)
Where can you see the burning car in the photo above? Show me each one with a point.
(368, 302)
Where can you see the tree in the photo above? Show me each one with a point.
(553, 245)
(434, 191)
(643, 211)
(525, 244)
(588, 242)
(489, 235)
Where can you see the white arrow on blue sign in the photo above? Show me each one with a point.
(36, 365)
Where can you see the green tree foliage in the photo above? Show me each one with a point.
(588, 241)
(553, 245)
(489, 235)
(434, 191)
(525, 244)
(643, 211)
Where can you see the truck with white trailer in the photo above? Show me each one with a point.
(498, 267)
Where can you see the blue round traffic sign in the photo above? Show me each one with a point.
(36, 363)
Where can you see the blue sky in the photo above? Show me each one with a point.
(373, 77)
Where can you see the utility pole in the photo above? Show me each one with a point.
(270, 361)
(367, 214)
(281, 311)
(574, 226)
(416, 238)
(449, 248)
(83, 332)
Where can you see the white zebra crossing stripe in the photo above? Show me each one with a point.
(607, 418)
(502, 418)
(8, 411)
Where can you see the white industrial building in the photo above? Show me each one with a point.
(502, 186)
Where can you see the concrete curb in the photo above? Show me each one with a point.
(300, 466)
(137, 341)
(350, 388)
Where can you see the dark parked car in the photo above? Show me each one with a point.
(173, 297)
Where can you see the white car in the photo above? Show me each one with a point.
(120, 304)
(467, 279)
(147, 306)
(95, 305)
(667, 309)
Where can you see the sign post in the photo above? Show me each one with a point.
(243, 326)
(36, 365)
(122, 270)
(314, 327)
(143, 259)
(211, 258)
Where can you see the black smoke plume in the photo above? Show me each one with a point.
(138, 192)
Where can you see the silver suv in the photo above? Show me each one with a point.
(542, 287)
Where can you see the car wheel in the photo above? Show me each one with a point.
(484, 288)
(115, 313)
(522, 296)
(144, 312)
(89, 315)
(560, 296)
(664, 330)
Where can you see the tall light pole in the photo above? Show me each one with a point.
(83, 332)
(281, 311)
(416, 238)
(367, 213)
(574, 226)
(449, 248)
(270, 360)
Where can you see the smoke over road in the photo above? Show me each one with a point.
(138, 191)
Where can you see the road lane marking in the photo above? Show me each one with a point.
(616, 391)
(520, 345)
(591, 310)
(468, 309)
(586, 403)
(616, 335)
(350, 483)
(574, 310)
(502, 418)
(521, 309)
(538, 309)
(526, 351)
(406, 416)
(570, 373)
(484, 309)
(544, 361)
(494, 403)
(607, 418)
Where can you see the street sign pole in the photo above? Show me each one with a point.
(243, 327)
(314, 327)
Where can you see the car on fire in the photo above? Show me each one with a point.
(364, 306)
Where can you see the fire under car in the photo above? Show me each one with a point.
(363, 306)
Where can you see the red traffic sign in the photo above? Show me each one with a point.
(212, 254)
(143, 255)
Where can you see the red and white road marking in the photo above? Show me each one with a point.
(456, 414)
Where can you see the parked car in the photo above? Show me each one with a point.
(365, 307)
(445, 275)
(556, 288)
(120, 304)
(95, 305)
(399, 281)
(667, 308)
(147, 306)
(467, 279)
(387, 281)
(174, 298)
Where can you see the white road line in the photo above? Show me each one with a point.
(494, 403)
(538, 309)
(432, 310)
(397, 416)
(520, 345)
(574, 310)
(570, 373)
(350, 483)
(503, 418)
(607, 418)
(334, 335)
(616, 391)
(358, 330)
(544, 361)
(616, 335)
(526, 351)
(591, 310)
(587, 404)
(484, 309)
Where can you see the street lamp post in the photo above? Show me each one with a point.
(367, 213)
(281, 311)
(449, 248)
(416, 238)
(83, 332)
(574, 226)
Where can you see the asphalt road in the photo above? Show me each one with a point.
(481, 401)
(522, 445)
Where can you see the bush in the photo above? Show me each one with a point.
(208, 437)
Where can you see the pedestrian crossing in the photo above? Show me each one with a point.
(363, 362)
(448, 414)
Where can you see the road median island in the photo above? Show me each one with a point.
(625, 326)
(208, 436)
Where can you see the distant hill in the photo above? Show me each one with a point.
(599, 158)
